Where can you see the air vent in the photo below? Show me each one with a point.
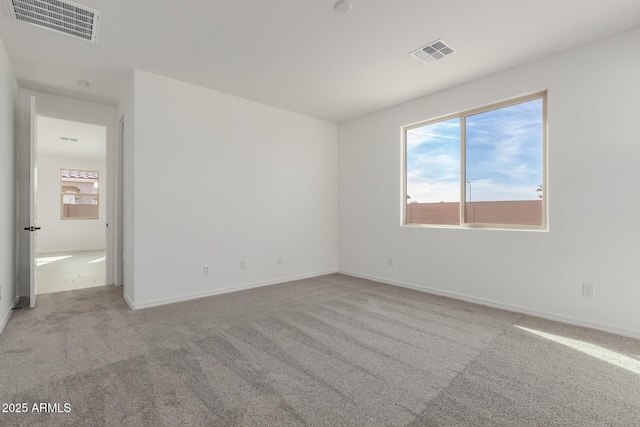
(61, 16)
(434, 51)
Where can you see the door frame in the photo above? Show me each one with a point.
(117, 171)
(32, 227)
(73, 109)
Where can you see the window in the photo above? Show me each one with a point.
(481, 168)
(79, 194)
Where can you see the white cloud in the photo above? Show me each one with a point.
(436, 132)
(424, 191)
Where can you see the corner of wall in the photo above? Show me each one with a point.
(126, 112)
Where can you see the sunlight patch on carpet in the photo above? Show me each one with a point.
(593, 350)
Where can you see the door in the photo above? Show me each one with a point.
(33, 192)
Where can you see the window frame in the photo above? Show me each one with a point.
(544, 226)
(62, 194)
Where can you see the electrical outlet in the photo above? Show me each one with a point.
(587, 290)
(205, 270)
(243, 265)
(390, 262)
(279, 260)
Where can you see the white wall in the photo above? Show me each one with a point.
(594, 197)
(8, 136)
(59, 235)
(63, 108)
(263, 185)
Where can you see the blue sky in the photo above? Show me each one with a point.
(503, 149)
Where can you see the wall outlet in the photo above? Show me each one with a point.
(587, 290)
(390, 262)
(279, 260)
(205, 270)
(243, 265)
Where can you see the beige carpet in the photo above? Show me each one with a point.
(329, 351)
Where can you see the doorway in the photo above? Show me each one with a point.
(71, 205)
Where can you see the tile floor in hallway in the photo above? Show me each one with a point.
(64, 271)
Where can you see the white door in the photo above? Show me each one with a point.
(33, 192)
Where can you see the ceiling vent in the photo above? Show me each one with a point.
(61, 16)
(432, 52)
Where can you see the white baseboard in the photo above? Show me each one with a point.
(6, 318)
(504, 306)
(128, 301)
(181, 298)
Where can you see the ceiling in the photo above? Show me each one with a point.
(301, 55)
(91, 141)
